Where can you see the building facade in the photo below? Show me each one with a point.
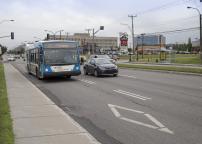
(150, 43)
(90, 44)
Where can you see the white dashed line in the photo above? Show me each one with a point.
(87, 81)
(129, 76)
(131, 94)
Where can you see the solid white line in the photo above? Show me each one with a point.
(115, 112)
(129, 76)
(166, 130)
(154, 120)
(139, 123)
(124, 108)
(132, 95)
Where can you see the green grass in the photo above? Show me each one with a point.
(179, 58)
(163, 68)
(6, 130)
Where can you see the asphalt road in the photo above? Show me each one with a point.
(137, 107)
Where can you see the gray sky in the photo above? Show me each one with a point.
(32, 17)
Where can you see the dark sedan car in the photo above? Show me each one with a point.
(100, 66)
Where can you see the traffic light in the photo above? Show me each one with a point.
(101, 27)
(12, 35)
(48, 36)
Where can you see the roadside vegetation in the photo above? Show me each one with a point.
(163, 68)
(177, 59)
(6, 130)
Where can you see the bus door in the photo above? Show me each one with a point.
(41, 61)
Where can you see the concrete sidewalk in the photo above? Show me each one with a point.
(36, 119)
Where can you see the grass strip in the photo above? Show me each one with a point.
(6, 129)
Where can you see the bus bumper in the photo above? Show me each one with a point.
(61, 74)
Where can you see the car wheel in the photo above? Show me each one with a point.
(68, 76)
(96, 73)
(115, 75)
(85, 71)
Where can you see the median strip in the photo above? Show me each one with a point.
(163, 68)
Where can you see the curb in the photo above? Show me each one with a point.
(162, 71)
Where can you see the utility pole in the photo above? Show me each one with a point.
(88, 30)
(67, 35)
(142, 44)
(200, 38)
(132, 17)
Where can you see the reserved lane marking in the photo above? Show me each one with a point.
(129, 76)
(87, 81)
(159, 126)
(132, 94)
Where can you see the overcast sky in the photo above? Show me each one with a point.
(32, 17)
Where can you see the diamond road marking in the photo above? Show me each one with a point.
(159, 126)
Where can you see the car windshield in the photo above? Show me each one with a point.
(102, 61)
(100, 56)
(55, 56)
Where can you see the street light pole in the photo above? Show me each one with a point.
(132, 17)
(2, 21)
(200, 23)
(94, 32)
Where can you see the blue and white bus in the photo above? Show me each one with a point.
(53, 58)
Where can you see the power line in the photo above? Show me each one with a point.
(165, 6)
(173, 31)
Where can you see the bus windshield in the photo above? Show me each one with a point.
(61, 56)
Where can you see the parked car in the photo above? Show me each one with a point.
(103, 56)
(100, 66)
(11, 58)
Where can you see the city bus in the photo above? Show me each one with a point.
(53, 58)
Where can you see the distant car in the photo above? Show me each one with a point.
(11, 58)
(103, 56)
(100, 66)
(114, 57)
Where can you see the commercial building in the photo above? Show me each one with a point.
(150, 43)
(88, 44)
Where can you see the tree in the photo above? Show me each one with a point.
(3, 49)
(189, 45)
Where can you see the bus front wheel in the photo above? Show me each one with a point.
(37, 74)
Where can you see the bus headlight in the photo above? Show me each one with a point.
(77, 68)
(46, 70)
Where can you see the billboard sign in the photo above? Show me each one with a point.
(123, 39)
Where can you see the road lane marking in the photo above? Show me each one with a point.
(154, 120)
(129, 76)
(159, 126)
(87, 81)
(131, 94)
